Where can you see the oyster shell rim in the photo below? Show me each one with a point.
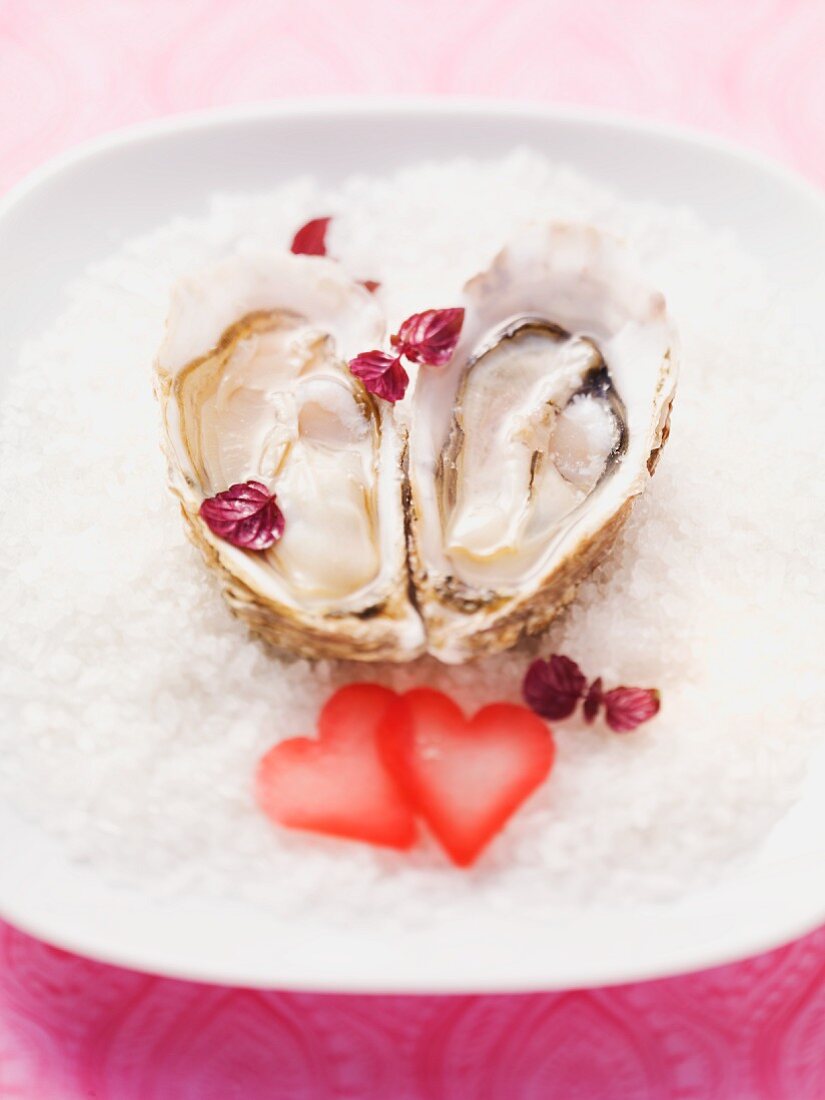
(401, 626)
(490, 627)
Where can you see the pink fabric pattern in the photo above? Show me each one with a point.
(69, 1028)
(748, 69)
(72, 1028)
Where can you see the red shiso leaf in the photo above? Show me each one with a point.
(430, 337)
(593, 700)
(553, 688)
(246, 514)
(381, 373)
(626, 708)
(311, 239)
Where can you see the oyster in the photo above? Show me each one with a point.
(527, 449)
(253, 384)
(457, 520)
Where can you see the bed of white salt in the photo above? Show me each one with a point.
(133, 708)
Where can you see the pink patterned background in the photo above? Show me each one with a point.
(750, 69)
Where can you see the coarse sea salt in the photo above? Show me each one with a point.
(133, 708)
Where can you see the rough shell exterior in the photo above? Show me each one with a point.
(423, 607)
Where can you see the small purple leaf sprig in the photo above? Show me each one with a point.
(246, 515)
(429, 337)
(311, 240)
(555, 687)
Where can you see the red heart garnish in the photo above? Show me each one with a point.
(336, 784)
(465, 777)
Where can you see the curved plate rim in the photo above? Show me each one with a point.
(181, 958)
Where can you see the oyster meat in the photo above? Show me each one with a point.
(254, 385)
(528, 448)
(458, 520)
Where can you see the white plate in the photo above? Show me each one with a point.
(80, 208)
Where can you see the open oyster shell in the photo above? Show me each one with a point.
(528, 448)
(456, 521)
(253, 383)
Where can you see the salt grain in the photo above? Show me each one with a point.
(133, 708)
